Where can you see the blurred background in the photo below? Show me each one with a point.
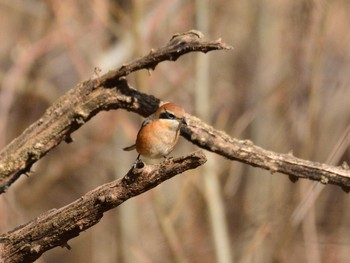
(285, 86)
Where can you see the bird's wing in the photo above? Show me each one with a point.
(133, 147)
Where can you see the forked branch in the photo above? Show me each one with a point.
(81, 103)
(111, 91)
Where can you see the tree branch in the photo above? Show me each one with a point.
(245, 151)
(80, 104)
(111, 91)
(55, 227)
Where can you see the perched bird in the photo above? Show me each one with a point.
(159, 133)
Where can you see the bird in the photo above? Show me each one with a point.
(159, 133)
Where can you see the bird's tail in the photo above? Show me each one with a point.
(130, 148)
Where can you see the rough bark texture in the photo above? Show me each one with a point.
(80, 104)
(245, 151)
(55, 227)
(111, 91)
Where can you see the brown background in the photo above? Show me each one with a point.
(285, 86)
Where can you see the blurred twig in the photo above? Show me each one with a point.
(212, 189)
(14, 77)
(55, 227)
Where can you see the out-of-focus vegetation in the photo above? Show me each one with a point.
(285, 86)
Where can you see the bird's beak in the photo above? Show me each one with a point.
(183, 121)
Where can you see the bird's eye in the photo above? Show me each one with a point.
(171, 116)
(167, 115)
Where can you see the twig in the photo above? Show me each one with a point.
(54, 228)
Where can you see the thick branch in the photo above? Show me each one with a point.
(111, 91)
(72, 110)
(54, 228)
(245, 151)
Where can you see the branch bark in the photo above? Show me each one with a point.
(80, 104)
(55, 227)
(206, 137)
(111, 91)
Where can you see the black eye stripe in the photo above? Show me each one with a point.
(167, 115)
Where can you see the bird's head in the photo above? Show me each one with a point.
(171, 111)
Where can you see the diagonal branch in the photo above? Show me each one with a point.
(111, 91)
(80, 104)
(54, 228)
(245, 151)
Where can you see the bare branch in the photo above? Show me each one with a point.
(54, 228)
(245, 151)
(111, 91)
(80, 104)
